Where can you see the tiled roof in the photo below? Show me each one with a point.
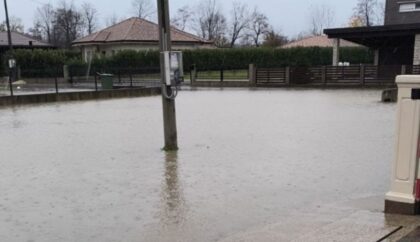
(136, 30)
(318, 41)
(21, 40)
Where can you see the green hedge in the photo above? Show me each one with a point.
(241, 58)
(204, 59)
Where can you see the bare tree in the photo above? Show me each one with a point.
(209, 22)
(274, 39)
(90, 17)
(143, 8)
(68, 24)
(15, 25)
(258, 26)
(36, 31)
(239, 22)
(365, 11)
(321, 17)
(182, 17)
(44, 17)
(111, 20)
(380, 14)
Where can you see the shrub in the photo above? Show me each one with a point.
(204, 59)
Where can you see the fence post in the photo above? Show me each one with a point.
(96, 81)
(252, 75)
(11, 81)
(66, 73)
(18, 73)
(131, 78)
(324, 75)
(56, 80)
(222, 74)
(287, 75)
(193, 74)
(403, 69)
(119, 76)
(362, 74)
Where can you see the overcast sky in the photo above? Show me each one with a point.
(289, 16)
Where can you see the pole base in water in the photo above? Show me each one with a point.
(170, 148)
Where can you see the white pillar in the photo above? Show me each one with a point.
(336, 52)
(402, 199)
(376, 58)
(416, 60)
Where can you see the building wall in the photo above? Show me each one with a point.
(109, 50)
(394, 16)
(401, 54)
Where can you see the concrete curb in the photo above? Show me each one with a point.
(78, 96)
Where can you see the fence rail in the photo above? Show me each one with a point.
(332, 75)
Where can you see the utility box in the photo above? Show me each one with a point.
(404, 197)
(174, 70)
(107, 81)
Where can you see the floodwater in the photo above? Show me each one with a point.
(95, 171)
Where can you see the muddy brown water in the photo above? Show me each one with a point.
(94, 171)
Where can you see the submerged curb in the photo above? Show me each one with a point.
(78, 96)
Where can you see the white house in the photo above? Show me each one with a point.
(135, 34)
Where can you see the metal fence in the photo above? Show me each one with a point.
(77, 79)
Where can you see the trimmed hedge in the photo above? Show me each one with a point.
(204, 59)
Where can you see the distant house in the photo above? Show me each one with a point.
(134, 34)
(21, 41)
(397, 42)
(318, 41)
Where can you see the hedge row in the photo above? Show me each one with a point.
(205, 59)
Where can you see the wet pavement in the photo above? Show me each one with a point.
(264, 165)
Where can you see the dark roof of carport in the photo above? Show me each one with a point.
(375, 36)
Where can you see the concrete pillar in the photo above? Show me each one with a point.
(405, 169)
(287, 75)
(416, 59)
(336, 52)
(376, 58)
(252, 75)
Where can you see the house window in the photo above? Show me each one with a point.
(409, 7)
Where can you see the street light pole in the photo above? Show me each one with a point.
(169, 112)
(9, 38)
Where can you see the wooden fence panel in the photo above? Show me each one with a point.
(343, 74)
(271, 76)
(334, 75)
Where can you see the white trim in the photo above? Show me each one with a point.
(407, 7)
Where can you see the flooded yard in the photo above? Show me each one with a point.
(94, 171)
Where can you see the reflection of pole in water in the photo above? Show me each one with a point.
(172, 197)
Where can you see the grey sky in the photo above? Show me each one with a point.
(289, 16)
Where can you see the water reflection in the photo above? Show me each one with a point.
(173, 203)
